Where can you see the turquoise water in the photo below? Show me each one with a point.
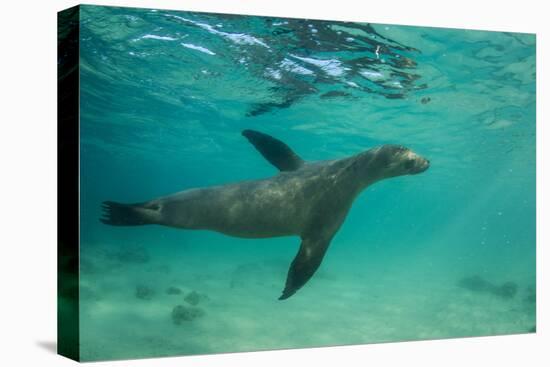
(446, 253)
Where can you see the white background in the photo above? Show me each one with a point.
(28, 182)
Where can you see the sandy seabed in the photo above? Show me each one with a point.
(129, 297)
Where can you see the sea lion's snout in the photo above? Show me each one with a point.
(414, 163)
(420, 165)
(400, 160)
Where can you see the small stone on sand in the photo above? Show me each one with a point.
(174, 290)
(182, 313)
(144, 292)
(193, 298)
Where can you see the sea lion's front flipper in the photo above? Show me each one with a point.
(305, 264)
(275, 151)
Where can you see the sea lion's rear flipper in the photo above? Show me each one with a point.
(275, 151)
(117, 214)
(305, 264)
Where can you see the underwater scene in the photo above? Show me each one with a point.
(253, 183)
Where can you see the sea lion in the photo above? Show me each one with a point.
(307, 199)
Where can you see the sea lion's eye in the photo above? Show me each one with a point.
(409, 163)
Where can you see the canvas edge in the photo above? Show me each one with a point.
(68, 212)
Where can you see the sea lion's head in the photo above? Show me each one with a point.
(397, 160)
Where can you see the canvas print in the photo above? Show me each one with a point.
(235, 183)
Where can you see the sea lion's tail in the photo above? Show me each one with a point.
(117, 214)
